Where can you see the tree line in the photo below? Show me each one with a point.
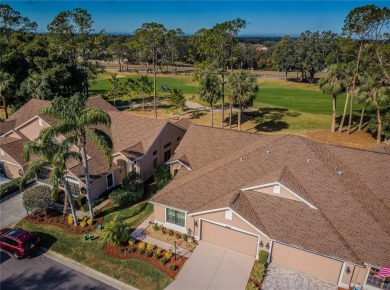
(63, 61)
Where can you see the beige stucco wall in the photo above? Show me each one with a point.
(219, 217)
(283, 192)
(356, 276)
(174, 166)
(159, 214)
(13, 135)
(11, 167)
(318, 266)
(32, 129)
(168, 134)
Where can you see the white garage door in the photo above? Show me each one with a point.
(229, 238)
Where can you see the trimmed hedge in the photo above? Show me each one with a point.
(9, 187)
(263, 257)
(123, 197)
(37, 198)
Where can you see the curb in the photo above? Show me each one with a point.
(85, 270)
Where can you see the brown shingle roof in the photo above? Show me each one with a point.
(183, 123)
(351, 207)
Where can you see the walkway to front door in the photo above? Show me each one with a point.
(214, 267)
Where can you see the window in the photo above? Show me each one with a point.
(110, 180)
(377, 282)
(2, 170)
(154, 152)
(167, 145)
(167, 155)
(73, 186)
(176, 217)
(154, 163)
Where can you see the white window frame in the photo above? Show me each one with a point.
(229, 215)
(175, 226)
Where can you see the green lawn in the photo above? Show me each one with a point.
(184, 83)
(132, 271)
(300, 97)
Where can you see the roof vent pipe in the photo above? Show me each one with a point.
(308, 160)
(268, 151)
(241, 159)
(341, 173)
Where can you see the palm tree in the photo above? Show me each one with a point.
(7, 83)
(377, 95)
(210, 91)
(54, 155)
(334, 85)
(347, 75)
(37, 86)
(243, 87)
(77, 121)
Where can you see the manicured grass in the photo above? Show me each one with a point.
(184, 83)
(132, 271)
(299, 97)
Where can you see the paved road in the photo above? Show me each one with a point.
(41, 273)
(11, 210)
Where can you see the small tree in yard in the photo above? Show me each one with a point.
(37, 198)
(116, 232)
(162, 176)
(132, 182)
(176, 100)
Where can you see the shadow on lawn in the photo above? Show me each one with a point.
(118, 208)
(47, 240)
(266, 119)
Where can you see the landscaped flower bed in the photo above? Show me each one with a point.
(159, 258)
(57, 219)
(169, 236)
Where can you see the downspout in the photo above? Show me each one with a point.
(271, 243)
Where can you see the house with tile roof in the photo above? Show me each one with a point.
(316, 208)
(139, 144)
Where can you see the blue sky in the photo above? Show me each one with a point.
(263, 17)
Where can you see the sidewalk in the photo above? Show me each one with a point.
(138, 233)
(85, 270)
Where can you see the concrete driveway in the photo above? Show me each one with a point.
(214, 267)
(11, 210)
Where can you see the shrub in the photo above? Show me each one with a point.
(122, 250)
(142, 251)
(97, 212)
(37, 198)
(80, 201)
(120, 197)
(132, 182)
(263, 257)
(185, 237)
(251, 286)
(149, 253)
(156, 256)
(158, 251)
(141, 246)
(162, 176)
(163, 230)
(83, 224)
(84, 218)
(116, 232)
(131, 241)
(164, 260)
(90, 222)
(168, 254)
(149, 247)
(70, 219)
(178, 235)
(156, 227)
(257, 273)
(172, 267)
(132, 250)
(171, 233)
(9, 187)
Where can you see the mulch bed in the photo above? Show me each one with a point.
(57, 219)
(122, 252)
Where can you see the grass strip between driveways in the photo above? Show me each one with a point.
(90, 253)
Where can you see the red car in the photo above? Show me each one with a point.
(18, 242)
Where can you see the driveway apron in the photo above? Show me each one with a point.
(214, 267)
